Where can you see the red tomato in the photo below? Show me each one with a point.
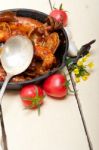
(55, 86)
(60, 16)
(32, 96)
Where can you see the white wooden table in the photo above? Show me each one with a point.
(59, 126)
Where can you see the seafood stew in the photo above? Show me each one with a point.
(48, 38)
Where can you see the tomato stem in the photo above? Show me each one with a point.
(54, 7)
(61, 6)
(68, 86)
(35, 101)
(71, 91)
(39, 110)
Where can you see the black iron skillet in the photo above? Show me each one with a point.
(61, 52)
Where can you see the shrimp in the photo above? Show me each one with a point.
(45, 41)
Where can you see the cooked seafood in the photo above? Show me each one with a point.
(43, 36)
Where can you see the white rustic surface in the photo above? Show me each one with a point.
(84, 24)
(59, 126)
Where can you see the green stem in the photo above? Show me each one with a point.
(39, 110)
(61, 6)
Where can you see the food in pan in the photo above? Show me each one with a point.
(44, 37)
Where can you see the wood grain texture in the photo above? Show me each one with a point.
(83, 22)
(58, 128)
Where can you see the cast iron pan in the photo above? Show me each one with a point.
(61, 52)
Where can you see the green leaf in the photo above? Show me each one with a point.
(69, 61)
(77, 75)
(82, 73)
(67, 83)
(86, 72)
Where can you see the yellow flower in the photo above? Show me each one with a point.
(85, 77)
(80, 63)
(88, 55)
(76, 71)
(91, 65)
(85, 58)
(77, 79)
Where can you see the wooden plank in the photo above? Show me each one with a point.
(41, 5)
(84, 26)
(57, 128)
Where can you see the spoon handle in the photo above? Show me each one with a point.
(4, 142)
(8, 77)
